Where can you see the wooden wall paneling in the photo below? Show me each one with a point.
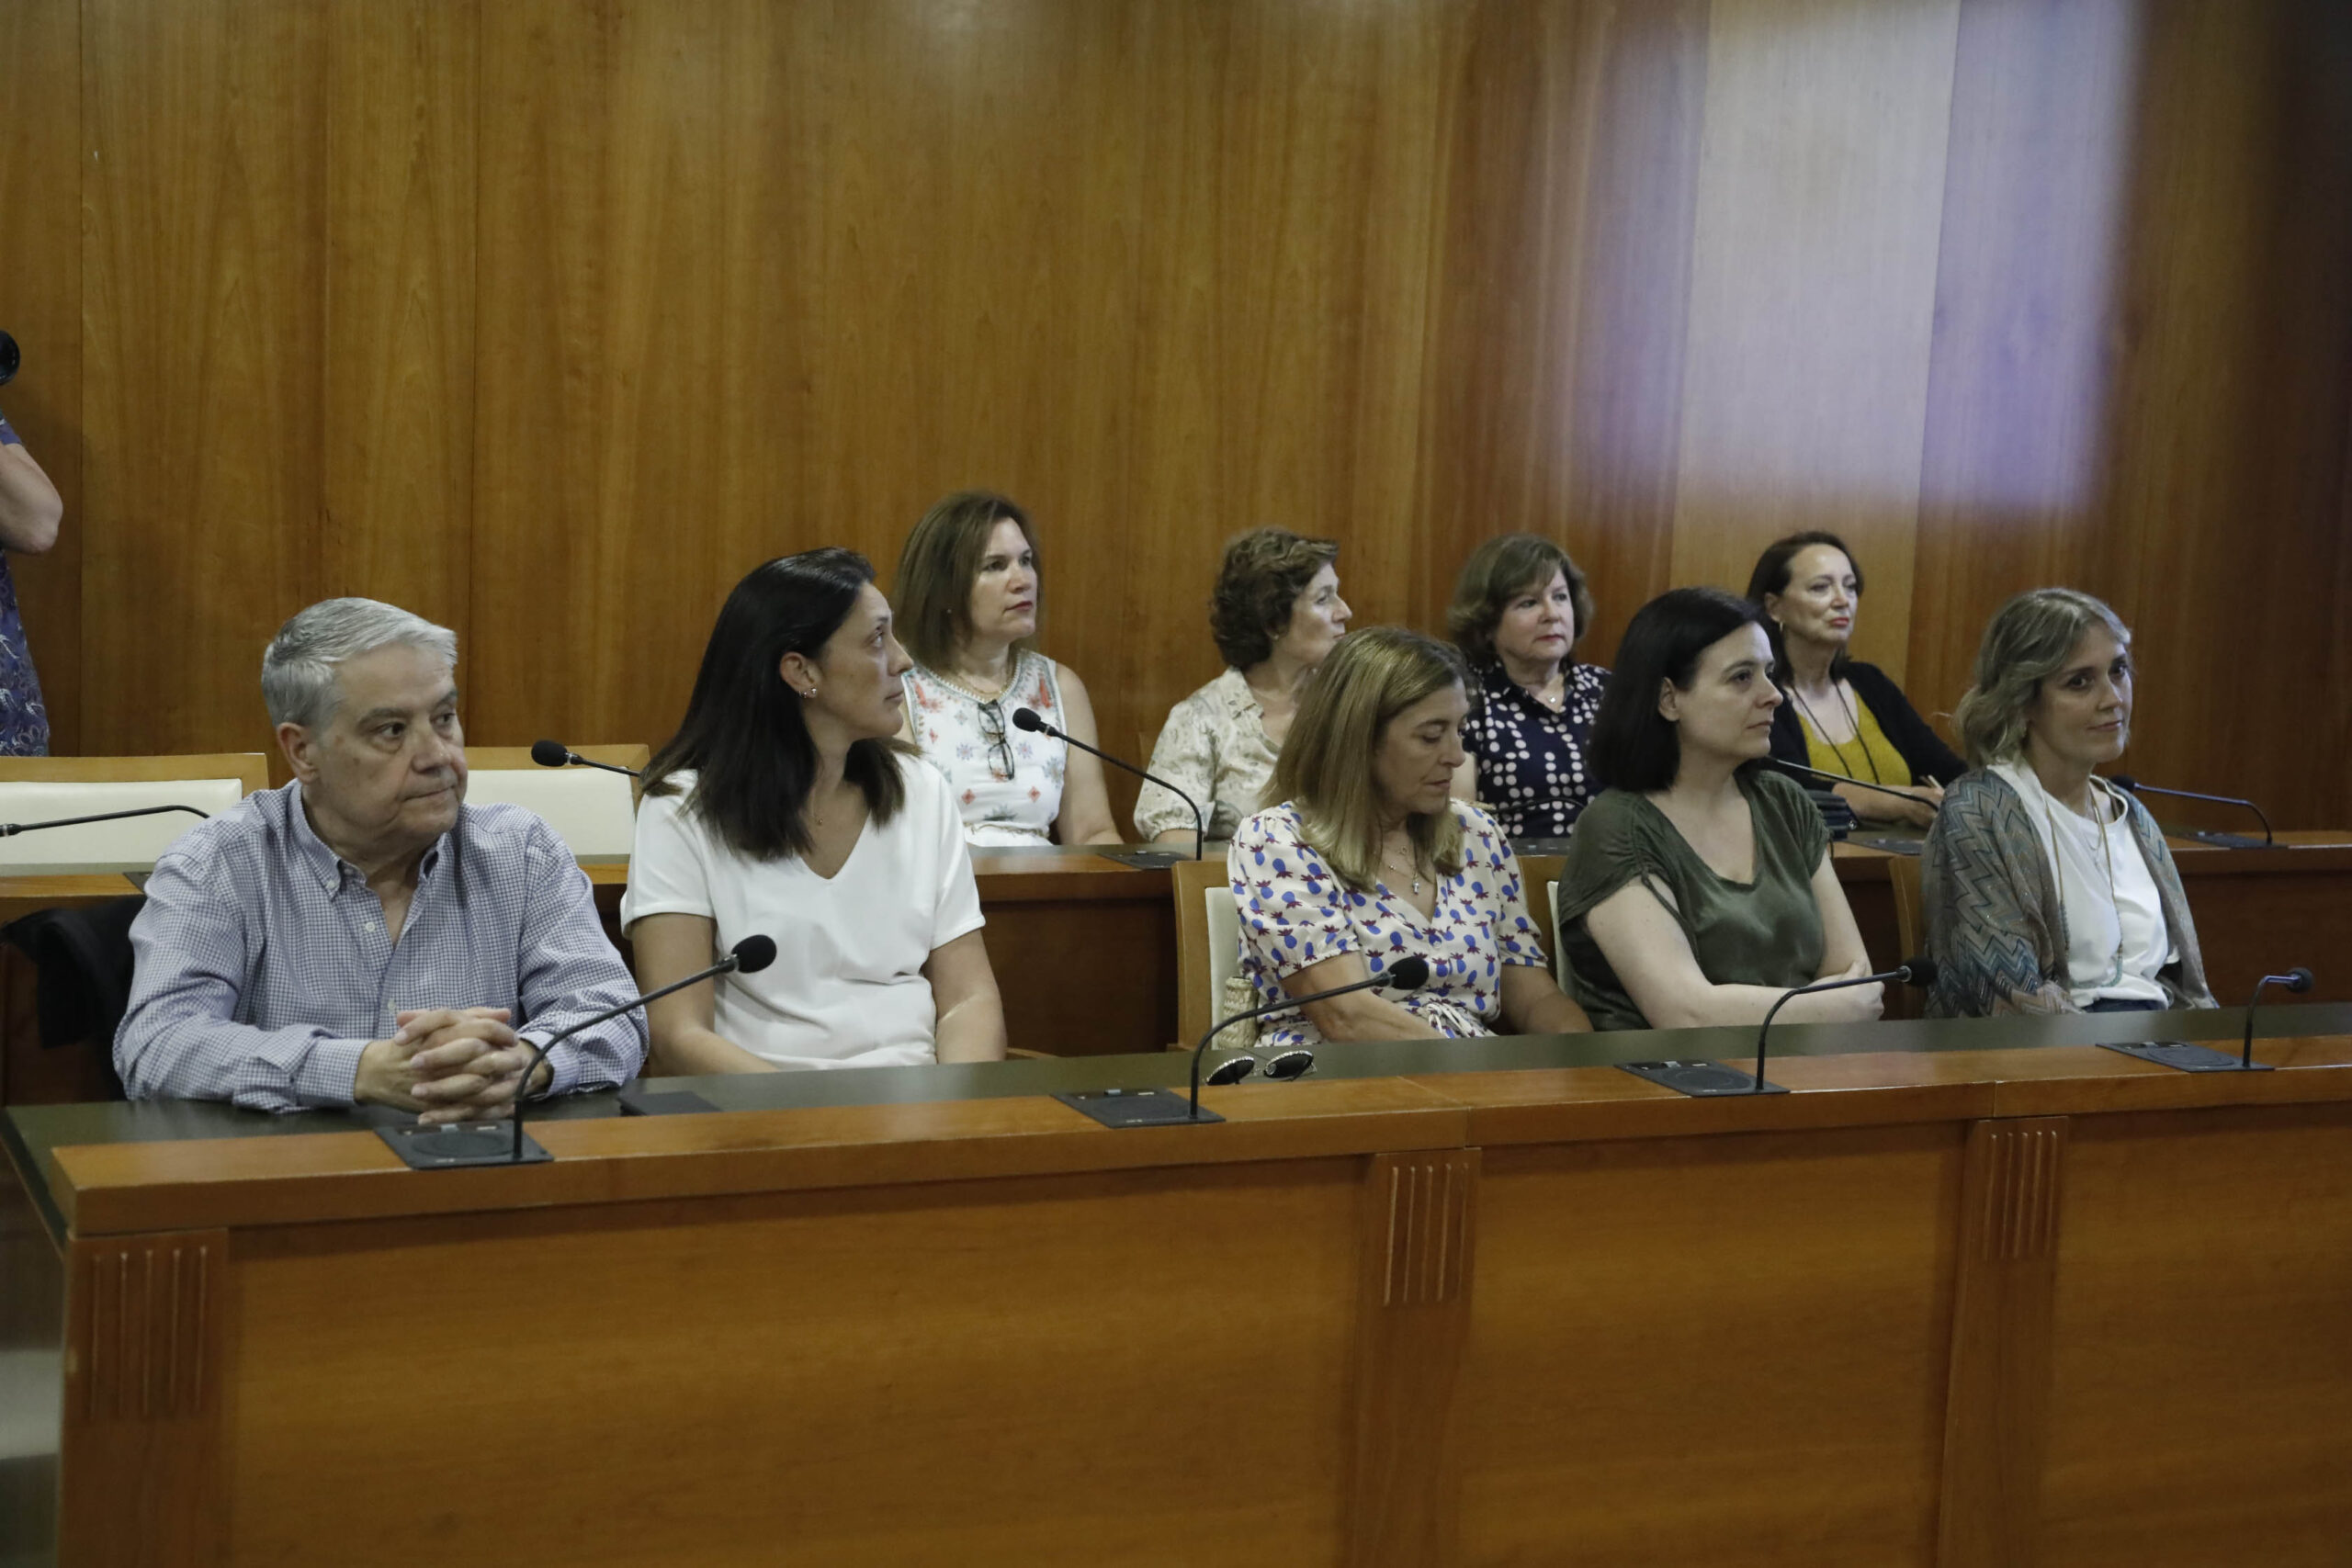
(2231, 400)
(147, 1362)
(2186, 1435)
(543, 246)
(1813, 290)
(40, 306)
(202, 306)
(1996, 1413)
(32, 1342)
(1559, 292)
(2028, 302)
(400, 169)
(1648, 1317)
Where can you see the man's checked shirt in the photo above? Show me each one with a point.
(264, 968)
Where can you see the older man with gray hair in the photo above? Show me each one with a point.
(363, 936)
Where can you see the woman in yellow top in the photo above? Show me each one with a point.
(1843, 716)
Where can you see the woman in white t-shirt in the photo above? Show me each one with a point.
(783, 806)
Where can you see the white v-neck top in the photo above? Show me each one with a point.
(847, 988)
(2096, 919)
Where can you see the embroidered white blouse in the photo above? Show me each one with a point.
(1008, 781)
(1214, 747)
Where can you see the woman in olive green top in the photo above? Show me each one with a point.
(1698, 887)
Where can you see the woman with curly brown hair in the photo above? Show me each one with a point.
(1275, 613)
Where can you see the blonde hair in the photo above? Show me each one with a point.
(1324, 768)
(2028, 640)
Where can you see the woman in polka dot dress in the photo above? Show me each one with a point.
(1518, 609)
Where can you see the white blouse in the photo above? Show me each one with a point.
(2102, 909)
(847, 988)
(1214, 747)
(971, 739)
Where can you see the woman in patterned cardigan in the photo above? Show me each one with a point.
(2048, 889)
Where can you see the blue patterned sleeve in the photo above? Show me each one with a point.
(1294, 911)
(1516, 940)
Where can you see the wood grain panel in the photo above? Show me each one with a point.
(203, 308)
(1813, 290)
(1416, 1254)
(146, 1336)
(1995, 1415)
(904, 1415)
(2184, 1435)
(400, 172)
(1649, 1318)
(40, 306)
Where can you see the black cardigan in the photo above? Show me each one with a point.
(1924, 752)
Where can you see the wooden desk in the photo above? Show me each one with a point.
(1984, 1298)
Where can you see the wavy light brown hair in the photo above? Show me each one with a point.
(2028, 640)
(1263, 573)
(938, 565)
(1498, 571)
(1325, 767)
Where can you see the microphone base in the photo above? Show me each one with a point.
(1146, 860)
(2182, 1056)
(2232, 841)
(639, 1101)
(1138, 1107)
(1701, 1080)
(1890, 844)
(460, 1144)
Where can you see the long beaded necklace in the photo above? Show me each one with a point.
(1853, 719)
(2107, 853)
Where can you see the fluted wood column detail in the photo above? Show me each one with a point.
(1412, 1318)
(143, 1347)
(1997, 1411)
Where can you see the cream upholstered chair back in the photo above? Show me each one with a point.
(1209, 985)
(593, 811)
(44, 789)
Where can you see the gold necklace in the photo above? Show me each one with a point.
(1412, 871)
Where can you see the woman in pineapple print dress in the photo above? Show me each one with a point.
(966, 600)
(1369, 860)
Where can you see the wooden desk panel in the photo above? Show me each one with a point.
(1424, 1318)
(1661, 1331)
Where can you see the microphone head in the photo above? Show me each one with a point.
(1406, 974)
(2125, 783)
(550, 753)
(1920, 971)
(754, 954)
(1030, 720)
(2300, 980)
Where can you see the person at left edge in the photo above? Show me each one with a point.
(30, 513)
(363, 936)
(784, 805)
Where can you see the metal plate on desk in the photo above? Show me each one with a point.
(1699, 1080)
(2187, 1058)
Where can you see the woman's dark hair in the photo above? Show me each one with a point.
(1498, 571)
(1771, 576)
(1263, 573)
(938, 565)
(1633, 745)
(744, 735)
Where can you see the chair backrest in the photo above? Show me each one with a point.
(1910, 932)
(1208, 943)
(593, 811)
(41, 789)
(1552, 933)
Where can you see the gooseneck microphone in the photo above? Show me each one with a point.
(1858, 783)
(1408, 974)
(2297, 980)
(10, 829)
(2131, 786)
(1707, 1080)
(749, 956)
(556, 754)
(1034, 723)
